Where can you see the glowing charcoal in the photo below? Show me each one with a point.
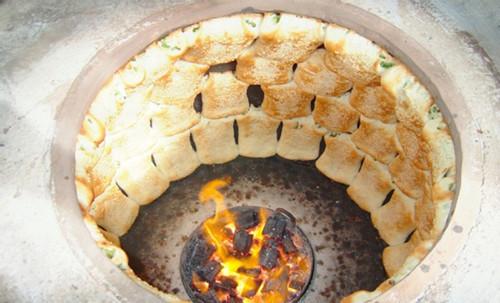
(242, 242)
(209, 271)
(247, 219)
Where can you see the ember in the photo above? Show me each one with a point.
(245, 254)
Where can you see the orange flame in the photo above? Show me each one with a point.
(219, 231)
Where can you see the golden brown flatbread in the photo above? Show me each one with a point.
(183, 83)
(223, 95)
(394, 256)
(341, 160)
(376, 139)
(374, 102)
(290, 38)
(314, 77)
(172, 119)
(335, 113)
(286, 101)
(407, 177)
(351, 55)
(254, 69)
(221, 40)
(413, 146)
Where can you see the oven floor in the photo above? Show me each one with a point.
(346, 246)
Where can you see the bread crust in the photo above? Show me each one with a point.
(371, 185)
(314, 77)
(286, 101)
(335, 114)
(223, 95)
(341, 160)
(289, 38)
(183, 83)
(407, 177)
(257, 134)
(376, 139)
(175, 157)
(393, 257)
(351, 55)
(374, 102)
(114, 211)
(300, 139)
(254, 69)
(221, 40)
(395, 220)
(141, 179)
(214, 140)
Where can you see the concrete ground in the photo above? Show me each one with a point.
(44, 45)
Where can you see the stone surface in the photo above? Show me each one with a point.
(46, 43)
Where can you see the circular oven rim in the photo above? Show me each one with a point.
(467, 145)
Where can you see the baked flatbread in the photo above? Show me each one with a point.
(141, 179)
(223, 95)
(351, 56)
(221, 40)
(413, 146)
(172, 119)
(131, 111)
(314, 77)
(394, 256)
(86, 156)
(109, 101)
(341, 160)
(300, 139)
(376, 139)
(183, 83)
(114, 211)
(290, 38)
(335, 113)
(395, 220)
(175, 157)
(441, 152)
(155, 62)
(374, 102)
(214, 140)
(253, 69)
(257, 134)
(92, 129)
(414, 101)
(286, 101)
(117, 148)
(407, 177)
(371, 185)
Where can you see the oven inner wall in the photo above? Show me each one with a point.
(347, 248)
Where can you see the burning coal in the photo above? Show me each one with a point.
(245, 254)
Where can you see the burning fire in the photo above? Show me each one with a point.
(257, 256)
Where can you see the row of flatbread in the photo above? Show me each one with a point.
(385, 138)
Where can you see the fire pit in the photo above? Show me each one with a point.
(345, 244)
(259, 85)
(245, 252)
